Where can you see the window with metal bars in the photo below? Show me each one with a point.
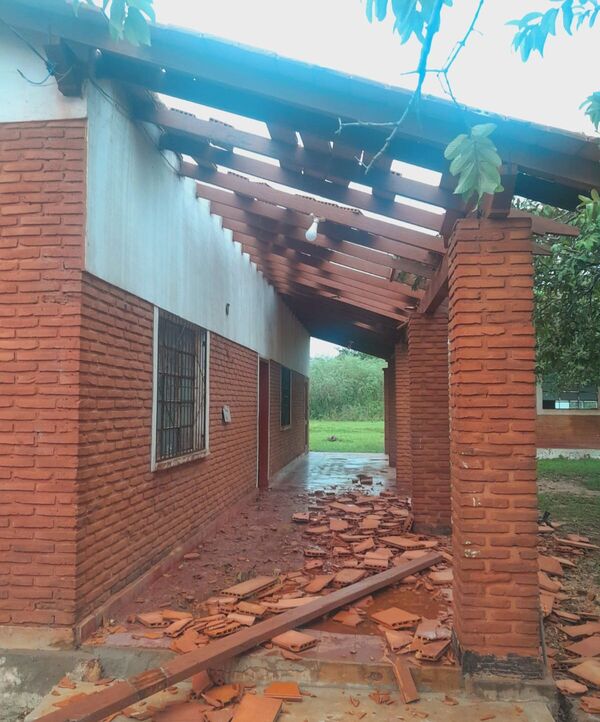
(181, 388)
(286, 397)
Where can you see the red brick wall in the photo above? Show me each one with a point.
(42, 215)
(131, 517)
(286, 444)
(493, 468)
(428, 378)
(402, 417)
(389, 393)
(81, 515)
(563, 430)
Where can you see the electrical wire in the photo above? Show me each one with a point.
(115, 103)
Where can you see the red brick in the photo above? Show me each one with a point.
(492, 421)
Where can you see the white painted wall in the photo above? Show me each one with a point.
(148, 234)
(22, 100)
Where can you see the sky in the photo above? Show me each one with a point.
(487, 74)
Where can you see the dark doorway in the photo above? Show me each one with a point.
(263, 424)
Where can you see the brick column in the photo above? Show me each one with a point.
(429, 433)
(492, 419)
(403, 450)
(390, 405)
(386, 413)
(42, 196)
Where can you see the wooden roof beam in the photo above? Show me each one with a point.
(412, 260)
(281, 270)
(310, 248)
(437, 290)
(325, 272)
(327, 211)
(209, 155)
(256, 225)
(324, 291)
(325, 269)
(183, 128)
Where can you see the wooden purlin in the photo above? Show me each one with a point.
(95, 707)
(236, 219)
(184, 132)
(313, 269)
(305, 204)
(230, 205)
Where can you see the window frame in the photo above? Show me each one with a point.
(564, 411)
(202, 393)
(283, 426)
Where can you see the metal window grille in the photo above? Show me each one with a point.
(181, 390)
(286, 396)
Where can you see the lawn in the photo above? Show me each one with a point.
(359, 436)
(584, 471)
(570, 490)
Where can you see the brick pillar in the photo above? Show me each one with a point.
(390, 393)
(403, 450)
(386, 413)
(429, 431)
(493, 471)
(42, 196)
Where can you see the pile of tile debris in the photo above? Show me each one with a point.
(349, 536)
(572, 619)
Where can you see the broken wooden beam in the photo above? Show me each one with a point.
(96, 707)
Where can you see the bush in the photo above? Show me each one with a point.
(347, 387)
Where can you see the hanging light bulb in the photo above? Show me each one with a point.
(311, 233)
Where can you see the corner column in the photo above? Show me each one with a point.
(493, 449)
(403, 450)
(429, 433)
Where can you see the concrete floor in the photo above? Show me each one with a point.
(262, 540)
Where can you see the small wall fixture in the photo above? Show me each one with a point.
(227, 307)
(311, 233)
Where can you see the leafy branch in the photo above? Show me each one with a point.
(127, 19)
(473, 154)
(476, 162)
(534, 28)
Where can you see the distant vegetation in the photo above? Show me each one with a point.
(347, 387)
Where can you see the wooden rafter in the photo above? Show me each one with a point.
(182, 128)
(278, 269)
(337, 214)
(319, 272)
(311, 249)
(374, 286)
(256, 225)
(229, 205)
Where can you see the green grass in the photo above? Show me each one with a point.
(586, 471)
(359, 436)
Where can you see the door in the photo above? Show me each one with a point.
(263, 424)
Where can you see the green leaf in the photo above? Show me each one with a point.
(567, 15)
(144, 6)
(483, 130)
(454, 146)
(592, 108)
(381, 9)
(117, 17)
(476, 162)
(136, 29)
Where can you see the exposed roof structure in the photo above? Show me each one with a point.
(380, 249)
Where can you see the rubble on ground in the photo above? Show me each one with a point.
(349, 536)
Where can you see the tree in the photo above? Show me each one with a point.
(347, 387)
(567, 301)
